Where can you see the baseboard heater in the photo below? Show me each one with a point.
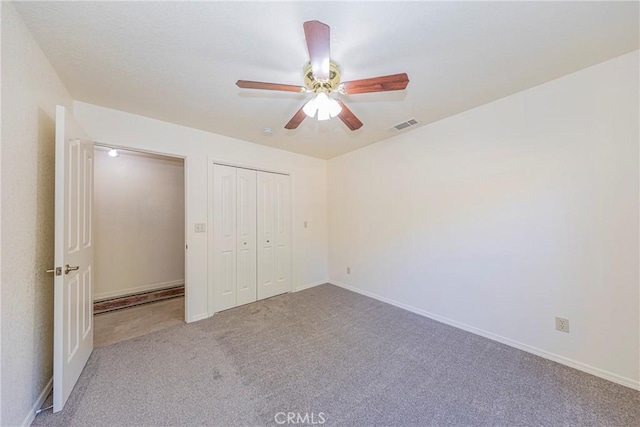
(117, 303)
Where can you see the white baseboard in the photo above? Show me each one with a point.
(43, 396)
(627, 382)
(137, 289)
(198, 317)
(310, 285)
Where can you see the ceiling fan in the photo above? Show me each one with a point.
(322, 78)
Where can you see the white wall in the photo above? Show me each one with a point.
(30, 92)
(503, 217)
(138, 223)
(111, 127)
(1, 139)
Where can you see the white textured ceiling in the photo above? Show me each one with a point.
(179, 61)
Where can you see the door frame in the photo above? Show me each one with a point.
(211, 160)
(186, 197)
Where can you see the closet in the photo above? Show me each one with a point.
(251, 235)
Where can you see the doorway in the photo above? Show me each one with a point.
(139, 243)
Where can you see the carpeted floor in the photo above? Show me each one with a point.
(341, 358)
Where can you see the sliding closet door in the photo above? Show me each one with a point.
(274, 247)
(224, 237)
(246, 236)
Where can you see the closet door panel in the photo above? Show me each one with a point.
(246, 236)
(273, 235)
(265, 223)
(282, 233)
(224, 236)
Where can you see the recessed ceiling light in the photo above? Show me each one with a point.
(113, 153)
(267, 131)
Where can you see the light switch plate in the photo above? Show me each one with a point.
(200, 227)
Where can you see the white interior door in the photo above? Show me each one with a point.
(73, 308)
(224, 237)
(246, 236)
(274, 232)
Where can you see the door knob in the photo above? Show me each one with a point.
(68, 269)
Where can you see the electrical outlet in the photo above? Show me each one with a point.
(562, 324)
(200, 227)
(348, 270)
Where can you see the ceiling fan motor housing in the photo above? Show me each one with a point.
(317, 85)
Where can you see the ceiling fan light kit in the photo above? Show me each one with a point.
(322, 78)
(326, 107)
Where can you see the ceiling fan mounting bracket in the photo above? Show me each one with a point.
(328, 85)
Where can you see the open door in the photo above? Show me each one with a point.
(73, 309)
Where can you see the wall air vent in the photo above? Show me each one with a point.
(404, 125)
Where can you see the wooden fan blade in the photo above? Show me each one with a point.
(348, 118)
(296, 119)
(317, 35)
(246, 84)
(376, 84)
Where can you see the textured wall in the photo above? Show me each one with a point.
(503, 217)
(138, 223)
(30, 92)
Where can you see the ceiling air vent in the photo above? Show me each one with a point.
(404, 125)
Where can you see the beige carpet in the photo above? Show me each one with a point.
(326, 350)
(124, 324)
